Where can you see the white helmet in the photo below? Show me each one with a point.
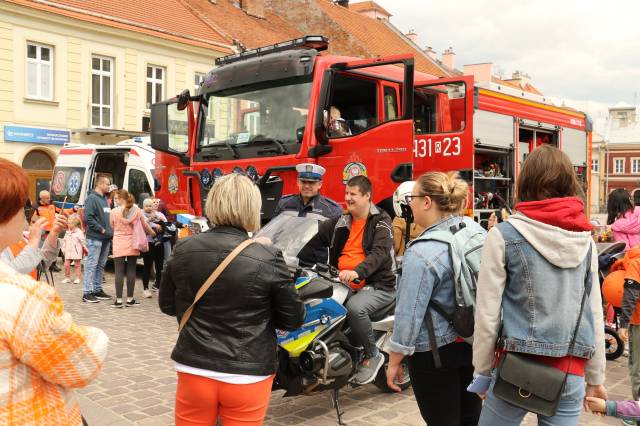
(405, 188)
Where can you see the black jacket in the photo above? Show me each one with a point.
(377, 243)
(233, 327)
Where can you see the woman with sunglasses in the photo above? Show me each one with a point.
(437, 202)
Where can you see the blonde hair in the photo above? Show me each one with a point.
(75, 221)
(148, 202)
(234, 201)
(447, 191)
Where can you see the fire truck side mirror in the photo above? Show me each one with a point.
(159, 136)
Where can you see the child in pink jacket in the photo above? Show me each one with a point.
(623, 218)
(74, 248)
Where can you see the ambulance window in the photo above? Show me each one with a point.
(353, 106)
(390, 103)
(138, 185)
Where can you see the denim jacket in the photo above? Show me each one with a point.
(426, 276)
(531, 281)
(541, 302)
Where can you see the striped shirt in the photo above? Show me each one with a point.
(44, 355)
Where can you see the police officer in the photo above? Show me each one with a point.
(309, 199)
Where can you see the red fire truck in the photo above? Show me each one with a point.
(262, 111)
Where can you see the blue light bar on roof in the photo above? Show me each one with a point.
(316, 42)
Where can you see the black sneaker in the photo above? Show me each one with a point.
(155, 288)
(102, 295)
(117, 304)
(132, 302)
(89, 298)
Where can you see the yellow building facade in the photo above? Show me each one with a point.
(78, 76)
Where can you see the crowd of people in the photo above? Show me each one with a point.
(537, 299)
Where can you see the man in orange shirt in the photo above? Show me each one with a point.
(46, 209)
(361, 246)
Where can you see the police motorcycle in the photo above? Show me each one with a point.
(319, 355)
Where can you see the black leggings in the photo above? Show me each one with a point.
(441, 393)
(120, 264)
(155, 255)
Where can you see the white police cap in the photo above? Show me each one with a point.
(310, 171)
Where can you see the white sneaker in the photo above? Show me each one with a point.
(76, 281)
(147, 294)
(66, 281)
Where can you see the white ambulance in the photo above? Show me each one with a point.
(129, 164)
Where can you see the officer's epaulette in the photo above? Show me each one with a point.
(330, 202)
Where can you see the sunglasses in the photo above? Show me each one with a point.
(408, 198)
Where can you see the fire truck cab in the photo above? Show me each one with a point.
(263, 111)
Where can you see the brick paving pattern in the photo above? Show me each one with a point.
(137, 384)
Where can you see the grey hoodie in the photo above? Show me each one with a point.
(562, 248)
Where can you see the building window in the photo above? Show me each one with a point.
(198, 78)
(635, 165)
(39, 71)
(618, 165)
(155, 84)
(595, 167)
(101, 92)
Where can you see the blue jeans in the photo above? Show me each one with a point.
(94, 265)
(496, 412)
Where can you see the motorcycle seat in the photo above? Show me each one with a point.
(381, 314)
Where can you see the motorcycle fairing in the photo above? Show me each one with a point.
(320, 315)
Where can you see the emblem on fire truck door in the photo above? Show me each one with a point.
(352, 170)
(172, 183)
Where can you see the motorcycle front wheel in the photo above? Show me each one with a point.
(614, 346)
(381, 377)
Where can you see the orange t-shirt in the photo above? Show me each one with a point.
(49, 213)
(353, 253)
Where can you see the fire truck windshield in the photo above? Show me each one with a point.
(260, 120)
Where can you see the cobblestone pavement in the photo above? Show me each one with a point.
(137, 384)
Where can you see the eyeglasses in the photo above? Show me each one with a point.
(408, 198)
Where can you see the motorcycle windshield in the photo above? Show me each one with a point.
(291, 233)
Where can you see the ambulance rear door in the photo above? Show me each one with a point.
(70, 182)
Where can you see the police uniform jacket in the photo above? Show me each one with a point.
(319, 205)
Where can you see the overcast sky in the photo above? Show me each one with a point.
(586, 53)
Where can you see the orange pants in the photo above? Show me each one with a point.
(200, 400)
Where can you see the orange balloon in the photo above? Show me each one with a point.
(613, 288)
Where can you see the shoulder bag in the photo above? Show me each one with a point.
(140, 242)
(209, 282)
(528, 384)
